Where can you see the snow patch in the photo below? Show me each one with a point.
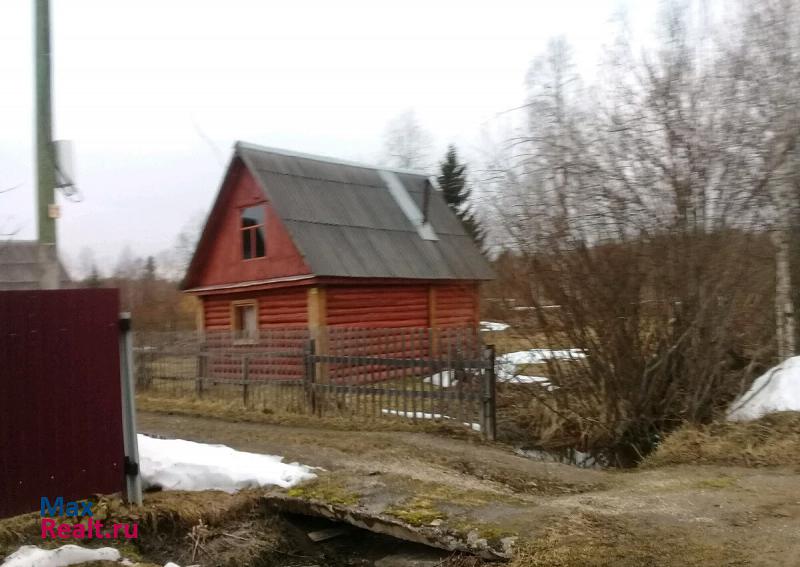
(414, 414)
(32, 556)
(778, 389)
(507, 369)
(175, 464)
(425, 415)
(494, 326)
(443, 379)
(539, 355)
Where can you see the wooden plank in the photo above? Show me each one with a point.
(245, 381)
(317, 319)
(326, 534)
(433, 323)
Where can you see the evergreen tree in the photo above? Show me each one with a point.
(150, 269)
(453, 181)
(93, 279)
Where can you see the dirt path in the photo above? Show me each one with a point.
(560, 515)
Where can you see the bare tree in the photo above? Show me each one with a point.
(7, 231)
(406, 144)
(173, 263)
(87, 263)
(642, 209)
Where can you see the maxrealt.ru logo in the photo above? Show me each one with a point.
(69, 529)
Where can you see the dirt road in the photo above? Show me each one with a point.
(557, 514)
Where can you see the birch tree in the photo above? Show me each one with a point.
(406, 144)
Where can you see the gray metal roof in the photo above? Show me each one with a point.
(19, 265)
(345, 221)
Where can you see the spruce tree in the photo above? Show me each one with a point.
(93, 279)
(453, 181)
(149, 269)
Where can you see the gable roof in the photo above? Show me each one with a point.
(354, 220)
(19, 265)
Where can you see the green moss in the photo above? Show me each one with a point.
(492, 533)
(131, 552)
(718, 483)
(416, 511)
(325, 489)
(449, 494)
(433, 501)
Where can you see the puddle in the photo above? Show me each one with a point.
(565, 456)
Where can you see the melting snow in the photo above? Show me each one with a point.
(442, 379)
(494, 326)
(522, 379)
(414, 414)
(507, 368)
(425, 415)
(175, 464)
(32, 556)
(508, 364)
(778, 389)
(539, 355)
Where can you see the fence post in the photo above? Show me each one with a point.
(202, 372)
(489, 417)
(246, 380)
(133, 482)
(309, 378)
(142, 363)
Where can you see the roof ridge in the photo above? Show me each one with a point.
(311, 177)
(326, 159)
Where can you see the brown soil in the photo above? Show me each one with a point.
(560, 515)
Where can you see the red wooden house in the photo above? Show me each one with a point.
(302, 241)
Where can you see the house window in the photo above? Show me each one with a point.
(245, 319)
(253, 244)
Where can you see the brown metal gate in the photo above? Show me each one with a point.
(60, 401)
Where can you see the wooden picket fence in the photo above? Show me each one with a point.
(418, 375)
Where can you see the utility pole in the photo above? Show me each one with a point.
(46, 208)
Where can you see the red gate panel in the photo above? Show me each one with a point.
(60, 401)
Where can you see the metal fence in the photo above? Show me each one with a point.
(61, 426)
(415, 374)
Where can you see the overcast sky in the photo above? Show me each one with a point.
(153, 93)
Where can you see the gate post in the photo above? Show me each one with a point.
(310, 377)
(489, 407)
(133, 482)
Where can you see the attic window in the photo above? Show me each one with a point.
(252, 228)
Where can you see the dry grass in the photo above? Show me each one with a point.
(773, 440)
(160, 510)
(590, 540)
(234, 411)
(163, 517)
